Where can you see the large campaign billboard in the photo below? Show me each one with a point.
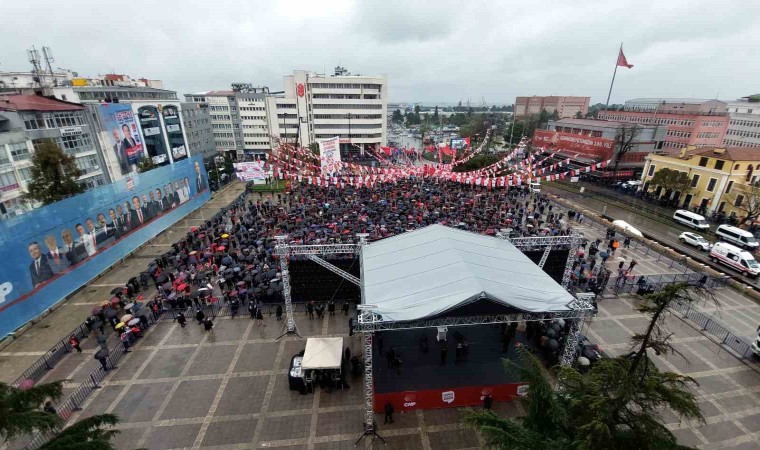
(52, 251)
(251, 170)
(124, 137)
(575, 145)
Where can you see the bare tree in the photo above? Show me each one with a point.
(747, 200)
(624, 144)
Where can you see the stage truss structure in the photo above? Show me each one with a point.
(368, 322)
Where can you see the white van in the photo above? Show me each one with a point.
(735, 258)
(535, 187)
(742, 238)
(691, 219)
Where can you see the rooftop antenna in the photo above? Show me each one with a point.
(34, 58)
(48, 55)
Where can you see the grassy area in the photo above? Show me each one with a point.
(278, 186)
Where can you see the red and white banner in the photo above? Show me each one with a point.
(575, 145)
(329, 154)
(449, 397)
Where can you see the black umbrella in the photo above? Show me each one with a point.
(116, 291)
(110, 312)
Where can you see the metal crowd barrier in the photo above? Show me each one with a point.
(75, 400)
(48, 361)
(706, 323)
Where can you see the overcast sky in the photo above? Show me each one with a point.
(433, 51)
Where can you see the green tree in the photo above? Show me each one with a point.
(314, 146)
(54, 175)
(87, 434)
(20, 409)
(616, 405)
(435, 117)
(397, 117)
(145, 165)
(477, 162)
(671, 181)
(579, 115)
(554, 115)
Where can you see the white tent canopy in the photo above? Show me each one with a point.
(429, 271)
(322, 353)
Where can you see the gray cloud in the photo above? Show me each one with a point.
(439, 51)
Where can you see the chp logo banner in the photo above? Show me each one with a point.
(595, 148)
(329, 155)
(252, 170)
(125, 140)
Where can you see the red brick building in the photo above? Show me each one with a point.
(697, 122)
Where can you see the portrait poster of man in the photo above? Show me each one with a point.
(124, 138)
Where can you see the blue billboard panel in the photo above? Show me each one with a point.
(119, 120)
(52, 251)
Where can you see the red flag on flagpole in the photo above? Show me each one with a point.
(622, 62)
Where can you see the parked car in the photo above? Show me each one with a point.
(695, 240)
(632, 185)
(756, 343)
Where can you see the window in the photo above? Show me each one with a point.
(4, 156)
(703, 161)
(695, 181)
(8, 180)
(19, 151)
(25, 174)
(729, 186)
(739, 200)
(719, 164)
(711, 184)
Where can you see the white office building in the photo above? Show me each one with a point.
(316, 106)
(743, 123)
(249, 120)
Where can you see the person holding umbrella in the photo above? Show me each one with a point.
(208, 324)
(102, 357)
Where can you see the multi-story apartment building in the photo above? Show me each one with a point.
(697, 122)
(721, 178)
(200, 133)
(25, 121)
(311, 107)
(562, 105)
(158, 114)
(240, 119)
(743, 123)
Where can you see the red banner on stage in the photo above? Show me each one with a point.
(596, 148)
(449, 398)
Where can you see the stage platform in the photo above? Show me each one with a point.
(422, 382)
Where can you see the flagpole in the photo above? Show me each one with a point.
(606, 105)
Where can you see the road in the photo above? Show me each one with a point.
(736, 312)
(661, 229)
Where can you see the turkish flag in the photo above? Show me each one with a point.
(622, 62)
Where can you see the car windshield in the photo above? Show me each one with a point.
(702, 222)
(753, 264)
(749, 239)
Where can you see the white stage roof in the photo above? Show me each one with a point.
(424, 273)
(322, 353)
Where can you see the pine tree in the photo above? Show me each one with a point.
(20, 411)
(87, 434)
(54, 174)
(616, 405)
